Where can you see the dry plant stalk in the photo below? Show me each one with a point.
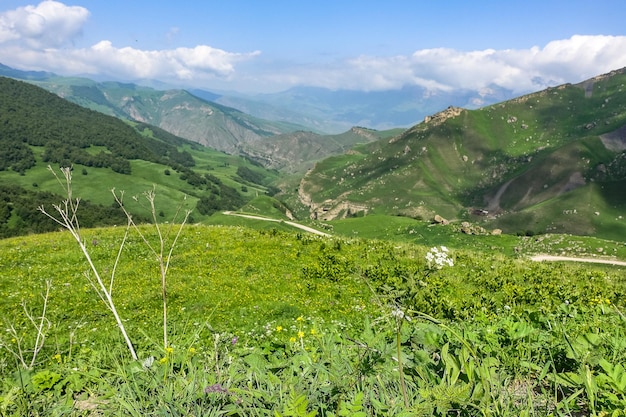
(66, 217)
(41, 325)
(160, 254)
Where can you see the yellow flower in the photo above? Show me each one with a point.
(313, 332)
(300, 334)
(279, 328)
(300, 318)
(192, 350)
(57, 357)
(169, 349)
(163, 360)
(292, 339)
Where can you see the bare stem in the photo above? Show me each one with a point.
(41, 335)
(159, 253)
(68, 219)
(41, 325)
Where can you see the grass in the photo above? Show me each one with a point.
(95, 184)
(271, 322)
(408, 230)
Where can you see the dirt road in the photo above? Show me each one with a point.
(299, 226)
(540, 258)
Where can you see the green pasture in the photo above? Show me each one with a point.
(279, 322)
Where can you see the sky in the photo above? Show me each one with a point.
(256, 46)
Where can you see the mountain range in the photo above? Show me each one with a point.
(336, 111)
(550, 161)
(274, 143)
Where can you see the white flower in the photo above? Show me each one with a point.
(398, 313)
(438, 257)
(147, 363)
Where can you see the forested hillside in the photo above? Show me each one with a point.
(30, 117)
(38, 128)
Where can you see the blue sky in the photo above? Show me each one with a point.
(263, 46)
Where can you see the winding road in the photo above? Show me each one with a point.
(298, 225)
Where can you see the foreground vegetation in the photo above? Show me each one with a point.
(266, 322)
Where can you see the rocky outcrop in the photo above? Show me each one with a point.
(440, 220)
(332, 211)
(442, 116)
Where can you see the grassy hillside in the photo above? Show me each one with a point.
(520, 160)
(176, 111)
(199, 118)
(40, 129)
(263, 322)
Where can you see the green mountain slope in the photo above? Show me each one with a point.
(516, 165)
(280, 144)
(176, 111)
(38, 128)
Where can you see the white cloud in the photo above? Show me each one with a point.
(41, 38)
(519, 70)
(440, 69)
(47, 25)
(33, 37)
(170, 64)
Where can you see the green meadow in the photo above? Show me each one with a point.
(264, 319)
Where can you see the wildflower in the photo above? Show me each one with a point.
(313, 332)
(57, 357)
(292, 339)
(398, 313)
(234, 340)
(192, 350)
(300, 334)
(300, 318)
(163, 360)
(279, 328)
(438, 257)
(215, 388)
(147, 363)
(169, 350)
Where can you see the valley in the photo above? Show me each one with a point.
(205, 261)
